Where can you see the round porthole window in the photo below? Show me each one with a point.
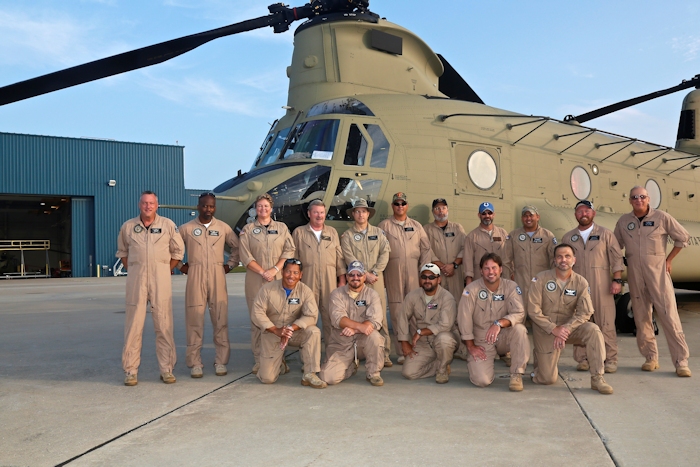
(580, 183)
(482, 169)
(654, 193)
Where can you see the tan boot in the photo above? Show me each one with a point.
(650, 365)
(583, 366)
(168, 378)
(376, 380)
(506, 359)
(516, 382)
(284, 368)
(310, 379)
(443, 375)
(611, 367)
(196, 372)
(683, 372)
(256, 367)
(220, 369)
(598, 384)
(130, 380)
(387, 362)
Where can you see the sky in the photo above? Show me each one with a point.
(218, 101)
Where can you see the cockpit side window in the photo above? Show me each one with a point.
(380, 147)
(356, 149)
(274, 153)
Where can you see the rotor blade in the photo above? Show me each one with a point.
(453, 85)
(685, 84)
(141, 58)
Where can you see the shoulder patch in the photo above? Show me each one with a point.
(465, 293)
(517, 289)
(177, 230)
(534, 279)
(554, 240)
(507, 237)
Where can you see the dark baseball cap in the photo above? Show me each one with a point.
(439, 201)
(584, 202)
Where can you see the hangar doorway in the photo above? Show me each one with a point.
(66, 222)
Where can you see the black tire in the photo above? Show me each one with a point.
(624, 321)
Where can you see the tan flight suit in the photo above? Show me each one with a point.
(372, 250)
(526, 256)
(148, 253)
(478, 309)
(323, 263)
(434, 352)
(477, 243)
(596, 261)
(410, 249)
(272, 307)
(206, 285)
(645, 249)
(551, 306)
(342, 350)
(264, 246)
(447, 246)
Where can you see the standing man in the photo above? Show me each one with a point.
(643, 234)
(486, 238)
(434, 311)
(367, 244)
(286, 312)
(318, 248)
(410, 248)
(560, 309)
(490, 317)
(151, 245)
(205, 238)
(356, 313)
(529, 250)
(447, 242)
(597, 255)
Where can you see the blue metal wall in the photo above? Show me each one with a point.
(82, 168)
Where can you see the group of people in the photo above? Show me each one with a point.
(449, 293)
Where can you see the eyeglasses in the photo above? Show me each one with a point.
(208, 193)
(355, 275)
(400, 203)
(639, 196)
(429, 278)
(293, 261)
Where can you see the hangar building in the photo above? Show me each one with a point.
(76, 193)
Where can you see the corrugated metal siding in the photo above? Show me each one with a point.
(82, 237)
(75, 167)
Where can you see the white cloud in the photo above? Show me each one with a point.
(574, 70)
(688, 46)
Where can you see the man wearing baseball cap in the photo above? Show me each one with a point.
(597, 255)
(485, 238)
(356, 315)
(430, 349)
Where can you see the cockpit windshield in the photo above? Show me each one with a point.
(314, 139)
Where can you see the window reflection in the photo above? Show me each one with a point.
(380, 149)
(348, 191)
(580, 183)
(482, 169)
(313, 140)
(274, 153)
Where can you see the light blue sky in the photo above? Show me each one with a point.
(544, 58)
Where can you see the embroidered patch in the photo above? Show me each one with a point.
(372, 237)
(648, 224)
(574, 238)
(294, 301)
(177, 230)
(534, 279)
(507, 237)
(522, 237)
(449, 234)
(272, 232)
(631, 226)
(499, 297)
(537, 240)
(138, 229)
(483, 295)
(551, 286)
(517, 289)
(408, 229)
(432, 306)
(465, 293)
(570, 292)
(497, 239)
(197, 232)
(554, 240)
(594, 237)
(361, 302)
(357, 237)
(214, 233)
(257, 230)
(325, 237)
(156, 231)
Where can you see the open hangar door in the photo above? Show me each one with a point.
(25, 219)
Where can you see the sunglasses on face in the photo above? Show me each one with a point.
(293, 261)
(355, 275)
(429, 278)
(400, 203)
(639, 196)
(486, 213)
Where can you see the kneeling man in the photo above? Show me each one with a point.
(286, 312)
(434, 311)
(560, 307)
(490, 320)
(356, 316)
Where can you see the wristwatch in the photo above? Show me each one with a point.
(455, 265)
(498, 323)
(418, 331)
(619, 281)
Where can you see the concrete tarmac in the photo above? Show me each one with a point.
(62, 400)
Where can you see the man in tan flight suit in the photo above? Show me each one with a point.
(356, 315)
(318, 248)
(149, 247)
(485, 238)
(447, 242)
(490, 318)
(205, 238)
(529, 250)
(643, 234)
(560, 308)
(367, 244)
(430, 349)
(410, 248)
(597, 255)
(287, 313)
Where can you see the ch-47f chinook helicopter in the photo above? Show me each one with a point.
(372, 110)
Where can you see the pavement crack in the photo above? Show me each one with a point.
(591, 423)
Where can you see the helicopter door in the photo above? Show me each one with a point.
(477, 170)
(361, 170)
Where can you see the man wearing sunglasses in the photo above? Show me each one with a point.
(490, 318)
(205, 238)
(430, 349)
(286, 312)
(643, 234)
(356, 314)
(410, 248)
(485, 238)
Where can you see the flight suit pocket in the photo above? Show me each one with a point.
(655, 245)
